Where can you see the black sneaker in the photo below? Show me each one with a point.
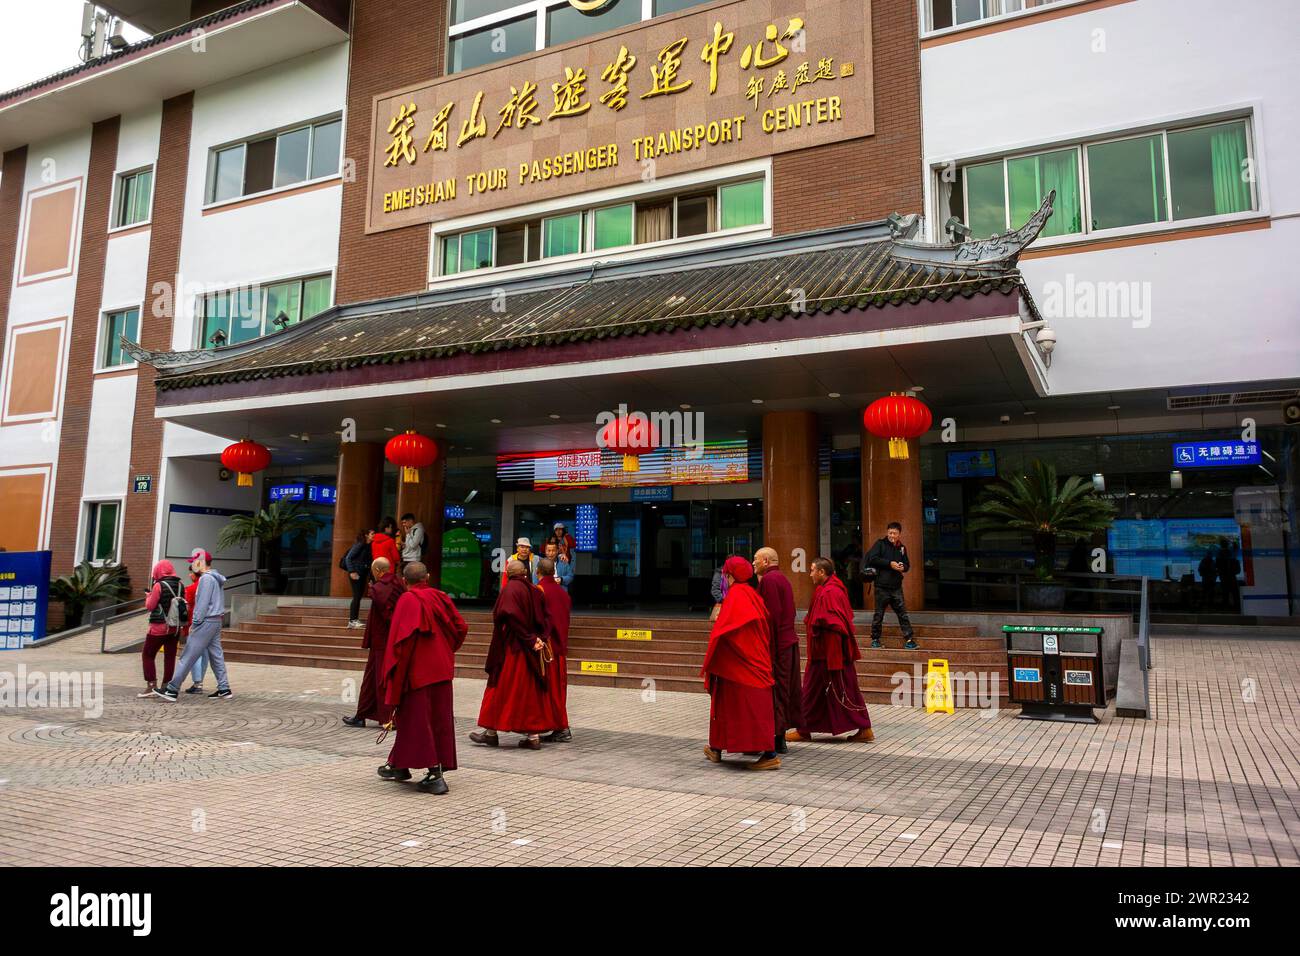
(876, 642)
(165, 693)
(559, 736)
(433, 782)
(221, 694)
(911, 645)
(194, 689)
(389, 772)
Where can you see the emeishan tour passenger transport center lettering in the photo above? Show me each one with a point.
(718, 85)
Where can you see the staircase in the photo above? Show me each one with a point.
(313, 636)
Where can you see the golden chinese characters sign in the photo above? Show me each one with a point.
(717, 85)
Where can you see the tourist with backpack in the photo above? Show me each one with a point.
(357, 565)
(168, 616)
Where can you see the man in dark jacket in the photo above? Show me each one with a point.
(889, 558)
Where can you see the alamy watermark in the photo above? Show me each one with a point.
(59, 690)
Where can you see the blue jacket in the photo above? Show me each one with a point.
(209, 601)
(564, 570)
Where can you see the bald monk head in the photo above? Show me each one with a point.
(765, 559)
(415, 572)
(516, 569)
(546, 568)
(379, 567)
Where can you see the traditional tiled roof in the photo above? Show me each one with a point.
(807, 276)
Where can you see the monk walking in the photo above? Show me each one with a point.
(558, 606)
(384, 592)
(832, 701)
(778, 594)
(738, 672)
(517, 699)
(419, 665)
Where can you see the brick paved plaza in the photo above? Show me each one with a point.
(273, 777)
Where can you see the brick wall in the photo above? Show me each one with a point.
(156, 331)
(80, 379)
(394, 43)
(865, 179)
(12, 174)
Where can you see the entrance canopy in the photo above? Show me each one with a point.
(823, 321)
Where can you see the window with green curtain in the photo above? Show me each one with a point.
(451, 255)
(133, 198)
(117, 324)
(245, 315)
(476, 250)
(614, 226)
(742, 204)
(143, 194)
(986, 200)
(1126, 182)
(216, 317)
(103, 521)
(283, 297)
(1208, 171)
(315, 296)
(1031, 178)
(562, 235)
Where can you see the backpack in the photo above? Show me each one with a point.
(343, 564)
(175, 609)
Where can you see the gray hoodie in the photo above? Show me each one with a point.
(209, 602)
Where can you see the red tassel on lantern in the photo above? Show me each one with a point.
(632, 436)
(244, 458)
(897, 418)
(411, 452)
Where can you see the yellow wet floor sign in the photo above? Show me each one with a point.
(938, 687)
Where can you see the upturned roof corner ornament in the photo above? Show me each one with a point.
(994, 255)
(164, 360)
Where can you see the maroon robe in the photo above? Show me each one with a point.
(384, 593)
(787, 698)
(738, 671)
(832, 700)
(419, 665)
(558, 606)
(517, 698)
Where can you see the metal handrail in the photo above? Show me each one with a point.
(107, 619)
(1019, 574)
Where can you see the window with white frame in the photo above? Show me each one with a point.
(1180, 173)
(485, 31)
(102, 518)
(134, 195)
(274, 161)
(942, 14)
(124, 322)
(249, 312)
(697, 211)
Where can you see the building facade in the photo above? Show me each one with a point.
(320, 224)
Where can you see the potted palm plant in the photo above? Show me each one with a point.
(268, 527)
(1049, 510)
(89, 586)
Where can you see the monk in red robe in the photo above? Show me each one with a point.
(384, 592)
(558, 607)
(778, 594)
(518, 699)
(419, 665)
(738, 672)
(832, 701)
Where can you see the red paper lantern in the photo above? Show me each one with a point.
(898, 418)
(244, 458)
(410, 452)
(631, 436)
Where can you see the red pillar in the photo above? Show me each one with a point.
(891, 491)
(360, 490)
(790, 506)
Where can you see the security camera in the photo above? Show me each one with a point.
(1046, 339)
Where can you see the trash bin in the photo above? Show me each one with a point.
(1055, 672)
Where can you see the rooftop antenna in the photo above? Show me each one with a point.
(98, 31)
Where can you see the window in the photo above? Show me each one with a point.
(101, 530)
(1146, 179)
(241, 315)
(654, 219)
(742, 204)
(134, 192)
(943, 14)
(274, 162)
(117, 324)
(485, 31)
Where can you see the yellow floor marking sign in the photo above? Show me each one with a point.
(599, 667)
(938, 687)
(633, 634)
